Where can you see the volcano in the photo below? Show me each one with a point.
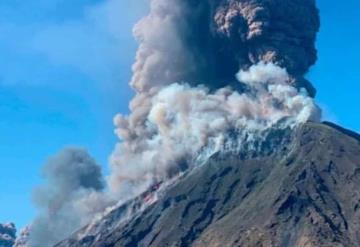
(223, 144)
(303, 193)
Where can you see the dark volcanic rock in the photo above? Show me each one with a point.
(7, 235)
(307, 194)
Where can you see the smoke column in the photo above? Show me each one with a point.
(71, 197)
(207, 42)
(190, 94)
(210, 76)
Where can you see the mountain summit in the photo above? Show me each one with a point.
(222, 145)
(304, 194)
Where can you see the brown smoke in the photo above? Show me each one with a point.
(209, 76)
(207, 42)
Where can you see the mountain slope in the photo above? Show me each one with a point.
(306, 193)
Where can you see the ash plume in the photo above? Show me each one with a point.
(207, 42)
(185, 122)
(210, 76)
(22, 239)
(72, 195)
(190, 93)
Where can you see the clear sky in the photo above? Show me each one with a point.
(64, 68)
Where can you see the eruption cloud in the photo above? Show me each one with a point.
(207, 42)
(205, 69)
(71, 197)
(185, 123)
(210, 76)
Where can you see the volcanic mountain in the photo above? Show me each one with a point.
(304, 193)
(223, 145)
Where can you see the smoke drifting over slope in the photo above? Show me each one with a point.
(201, 46)
(70, 198)
(186, 123)
(210, 76)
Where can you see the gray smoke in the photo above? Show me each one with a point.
(209, 76)
(185, 123)
(22, 239)
(71, 196)
(201, 46)
(207, 42)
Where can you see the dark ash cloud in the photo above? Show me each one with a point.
(204, 44)
(207, 42)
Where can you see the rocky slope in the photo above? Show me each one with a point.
(7, 235)
(305, 194)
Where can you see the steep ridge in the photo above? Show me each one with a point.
(304, 194)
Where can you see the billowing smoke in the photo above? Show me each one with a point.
(210, 76)
(207, 42)
(184, 123)
(22, 239)
(190, 94)
(72, 195)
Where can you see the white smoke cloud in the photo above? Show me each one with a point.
(267, 73)
(182, 121)
(173, 126)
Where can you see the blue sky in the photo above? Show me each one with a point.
(64, 69)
